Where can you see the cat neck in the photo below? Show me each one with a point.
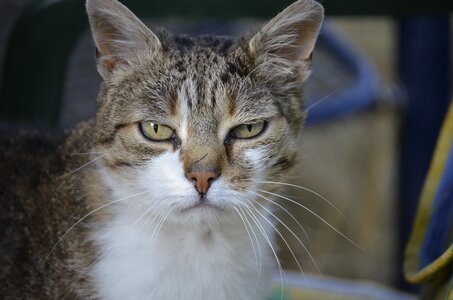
(195, 260)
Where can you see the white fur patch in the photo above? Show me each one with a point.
(184, 115)
(186, 258)
(257, 156)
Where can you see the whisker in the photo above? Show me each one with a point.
(86, 216)
(323, 98)
(317, 216)
(81, 167)
(87, 153)
(131, 227)
(310, 191)
(153, 215)
(281, 236)
(285, 210)
(258, 246)
(266, 237)
(295, 235)
(143, 215)
(156, 231)
(251, 242)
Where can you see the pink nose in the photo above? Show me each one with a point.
(202, 180)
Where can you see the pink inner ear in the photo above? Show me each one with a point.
(109, 63)
(106, 59)
(118, 34)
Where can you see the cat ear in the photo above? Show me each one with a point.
(283, 46)
(118, 34)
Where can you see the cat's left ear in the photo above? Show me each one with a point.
(118, 35)
(283, 47)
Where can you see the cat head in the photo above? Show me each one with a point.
(198, 124)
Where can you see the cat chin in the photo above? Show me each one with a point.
(202, 214)
(203, 206)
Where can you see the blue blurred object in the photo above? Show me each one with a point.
(424, 65)
(429, 253)
(342, 82)
(438, 236)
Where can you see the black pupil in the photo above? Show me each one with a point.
(155, 127)
(249, 127)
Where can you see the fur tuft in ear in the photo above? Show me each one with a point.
(284, 45)
(118, 34)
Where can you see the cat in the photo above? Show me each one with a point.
(165, 194)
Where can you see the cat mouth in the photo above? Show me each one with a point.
(202, 205)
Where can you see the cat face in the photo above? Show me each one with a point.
(197, 124)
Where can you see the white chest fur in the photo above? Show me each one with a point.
(181, 263)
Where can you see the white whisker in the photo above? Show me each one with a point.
(258, 246)
(86, 153)
(295, 235)
(258, 262)
(317, 216)
(159, 226)
(323, 98)
(81, 167)
(86, 216)
(153, 215)
(266, 237)
(310, 191)
(143, 215)
(285, 210)
(281, 236)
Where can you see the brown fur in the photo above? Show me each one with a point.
(37, 205)
(224, 82)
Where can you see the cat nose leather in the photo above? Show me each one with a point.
(202, 180)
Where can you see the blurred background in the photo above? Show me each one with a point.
(380, 87)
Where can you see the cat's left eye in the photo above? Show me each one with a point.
(247, 131)
(155, 131)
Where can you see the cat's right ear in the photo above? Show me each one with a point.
(118, 35)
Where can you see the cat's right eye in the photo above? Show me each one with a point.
(156, 132)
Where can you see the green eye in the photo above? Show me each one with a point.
(247, 131)
(156, 132)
